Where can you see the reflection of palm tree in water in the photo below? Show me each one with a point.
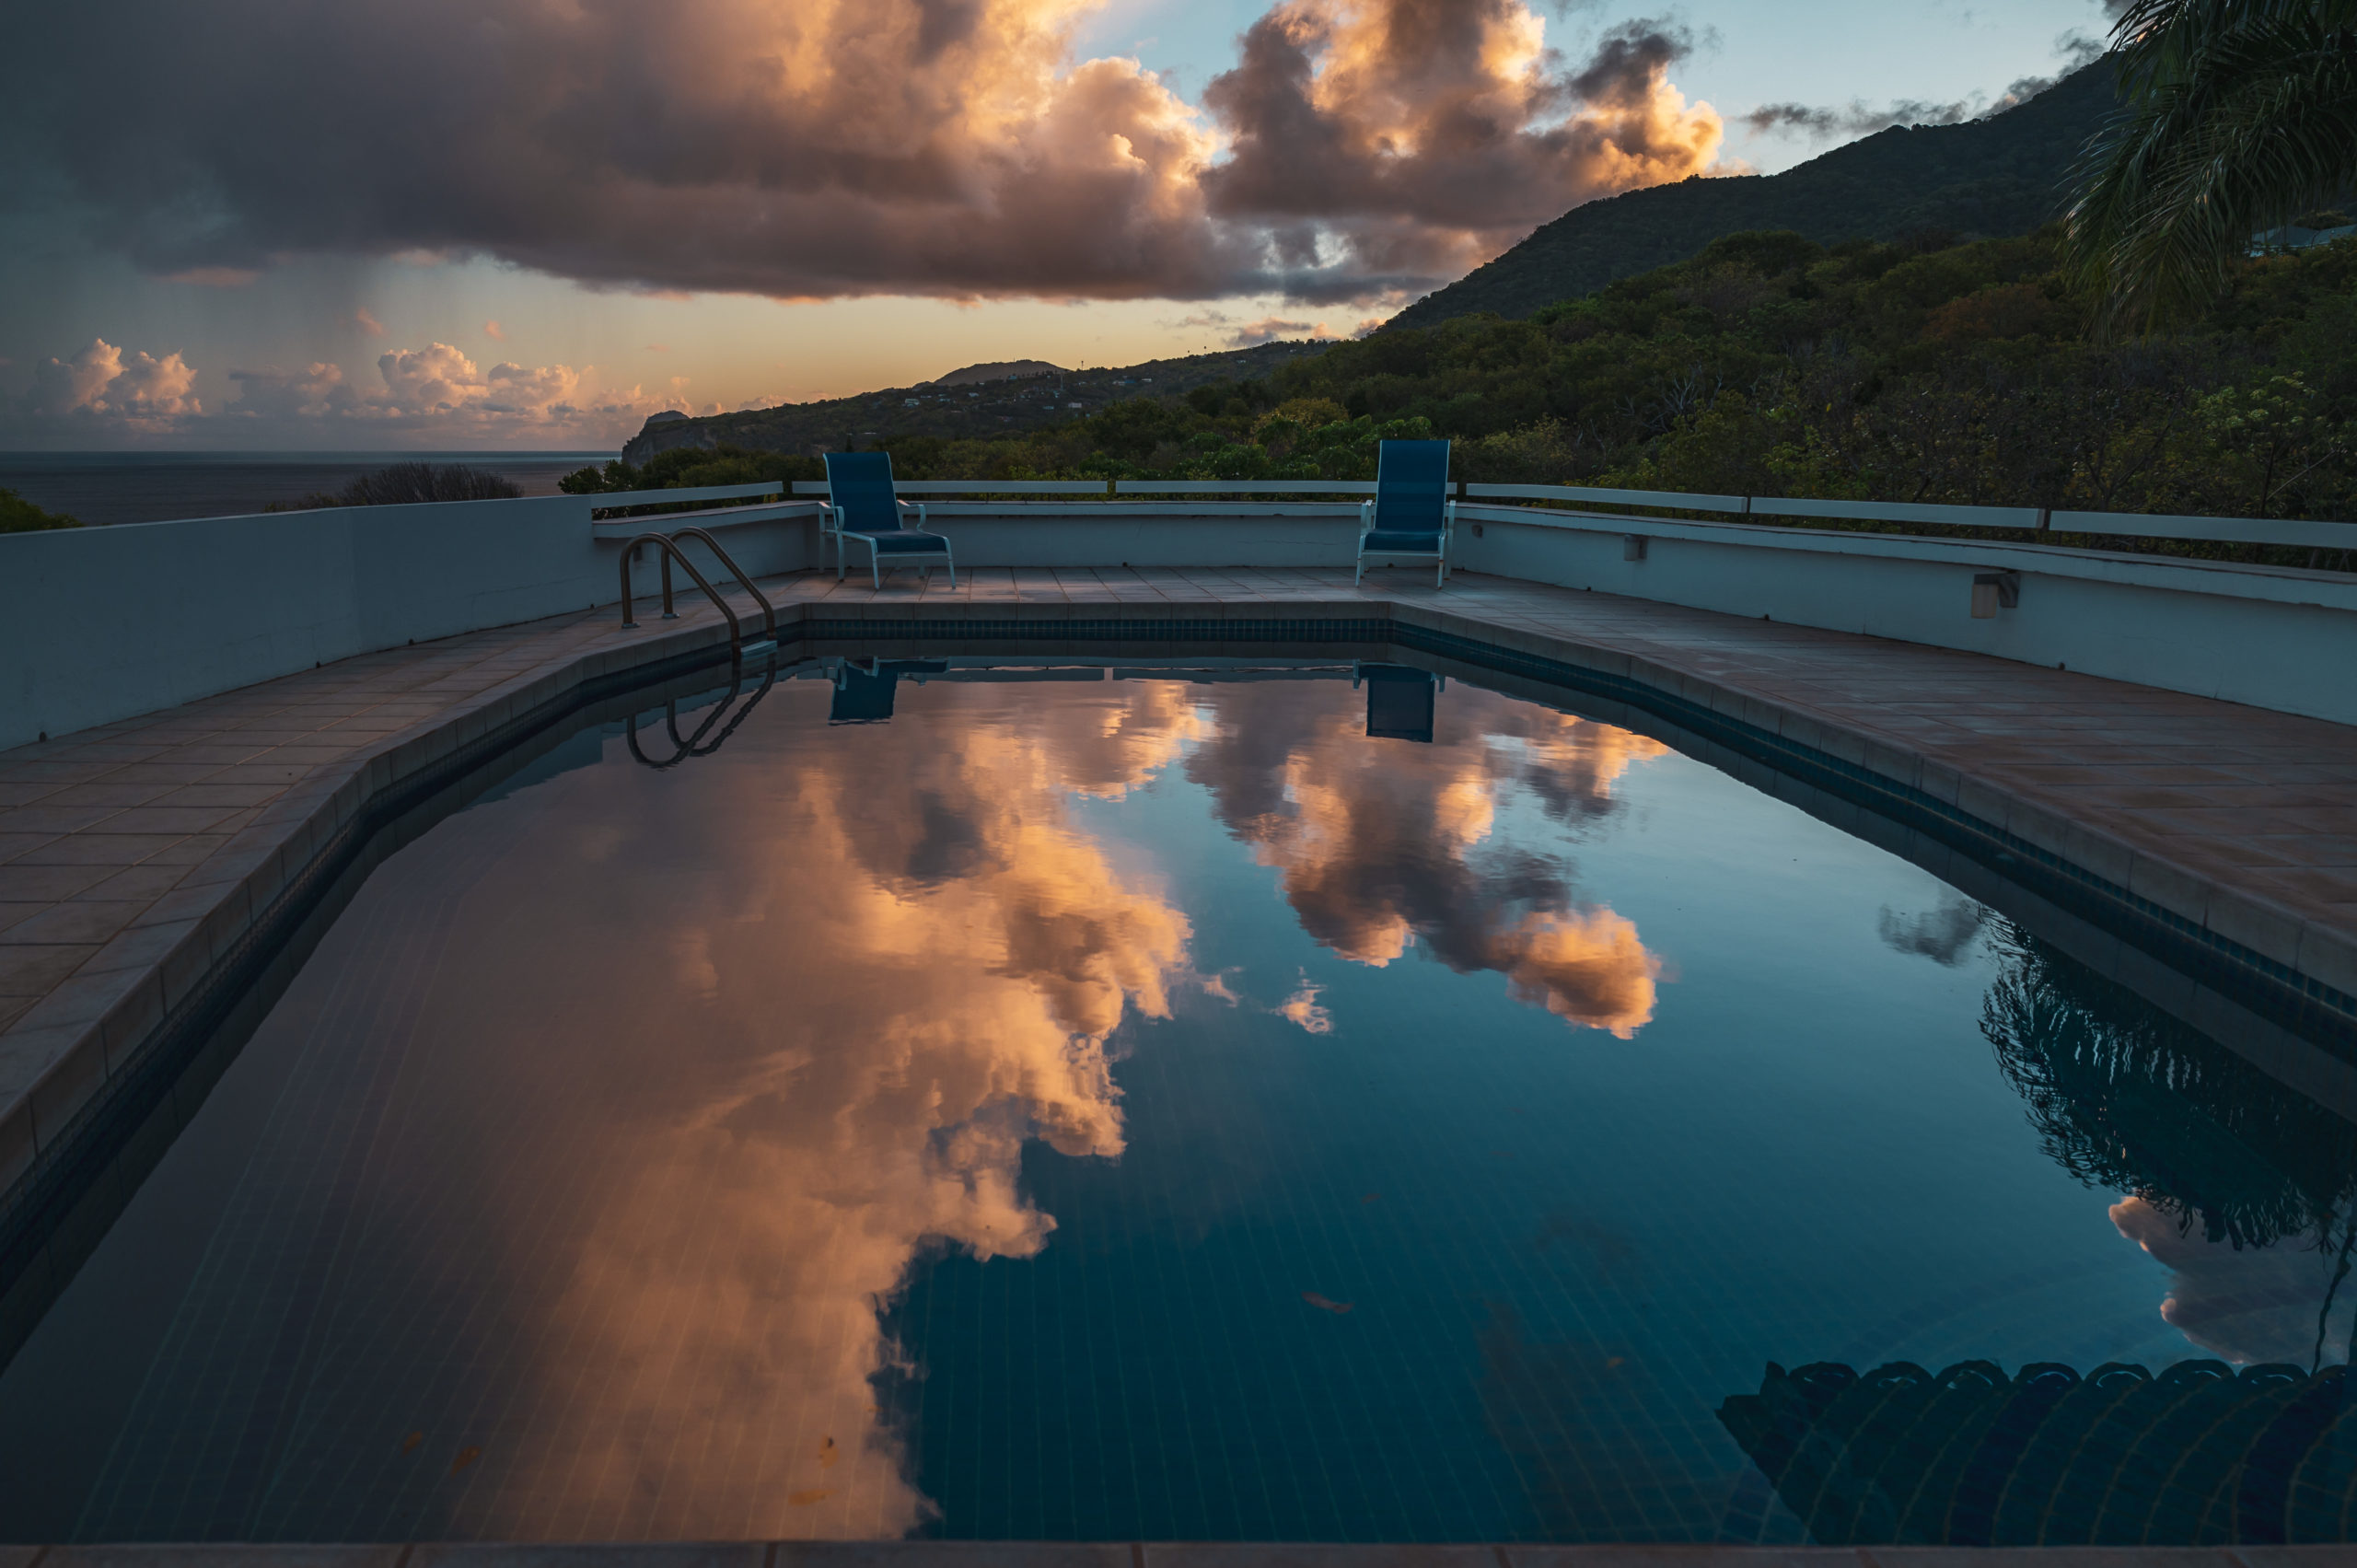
(2127, 1098)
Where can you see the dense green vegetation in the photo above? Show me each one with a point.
(20, 516)
(403, 485)
(1769, 365)
(2236, 115)
(1984, 178)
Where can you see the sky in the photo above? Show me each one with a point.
(258, 224)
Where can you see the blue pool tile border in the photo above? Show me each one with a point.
(43, 1204)
(2280, 989)
(1912, 807)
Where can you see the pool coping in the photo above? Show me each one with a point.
(189, 955)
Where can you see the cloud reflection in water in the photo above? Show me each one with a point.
(1381, 847)
(903, 965)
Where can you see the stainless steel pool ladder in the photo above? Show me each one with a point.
(695, 745)
(669, 546)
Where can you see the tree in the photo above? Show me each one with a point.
(2237, 115)
(20, 516)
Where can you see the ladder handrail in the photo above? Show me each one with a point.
(694, 746)
(769, 613)
(664, 542)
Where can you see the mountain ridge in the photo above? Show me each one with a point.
(1981, 178)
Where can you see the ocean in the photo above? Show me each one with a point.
(147, 487)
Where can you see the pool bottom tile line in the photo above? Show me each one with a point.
(111, 1073)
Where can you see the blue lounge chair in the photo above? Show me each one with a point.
(860, 506)
(1411, 514)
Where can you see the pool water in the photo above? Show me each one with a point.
(1152, 1103)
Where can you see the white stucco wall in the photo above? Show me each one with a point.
(103, 623)
(2269, 636)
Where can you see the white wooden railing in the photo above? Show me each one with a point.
(767, 499)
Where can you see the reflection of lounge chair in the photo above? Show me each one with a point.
(860, 506)
(1398, 700)
(1412, 514)
(864, 695)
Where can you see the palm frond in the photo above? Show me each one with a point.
(2236, 115)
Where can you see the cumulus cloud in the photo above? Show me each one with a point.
(2243, 1304)
(1303, 1008)
(1382, 848)
(312, 392)
(1944, 933)
(367, 323)
(1360, 148)
(495, 331)
(1406, 140)
(100, 386)
(437, 390)
(891, 969)
(1273, 329)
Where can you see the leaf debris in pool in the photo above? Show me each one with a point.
(1319, 1302)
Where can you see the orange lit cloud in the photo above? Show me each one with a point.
(2243, 1304)
(440, 391)
(99, 385)
(1433, 134)
(958, 148)
(912, 972)
(1385, 845)
(1302, 1007)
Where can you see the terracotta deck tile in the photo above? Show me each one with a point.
(37, 969)
(51, 883)
(150, 880)
(45, 818)
(14, 845)
(92, 921)
(2264, 802)
(219, 794)
(98, 848)
(177, 821)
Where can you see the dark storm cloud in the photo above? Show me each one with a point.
(1430, 134)
(818, 149)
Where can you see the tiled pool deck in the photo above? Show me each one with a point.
(134, 854)
(136, 857)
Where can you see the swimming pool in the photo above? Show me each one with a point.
(1076, 1099)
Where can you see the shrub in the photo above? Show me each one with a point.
(407, 483)
(20, 516)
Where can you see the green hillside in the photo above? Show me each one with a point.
(1999, 176)
(1766, 366)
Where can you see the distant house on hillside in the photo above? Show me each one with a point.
(2293, 237)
